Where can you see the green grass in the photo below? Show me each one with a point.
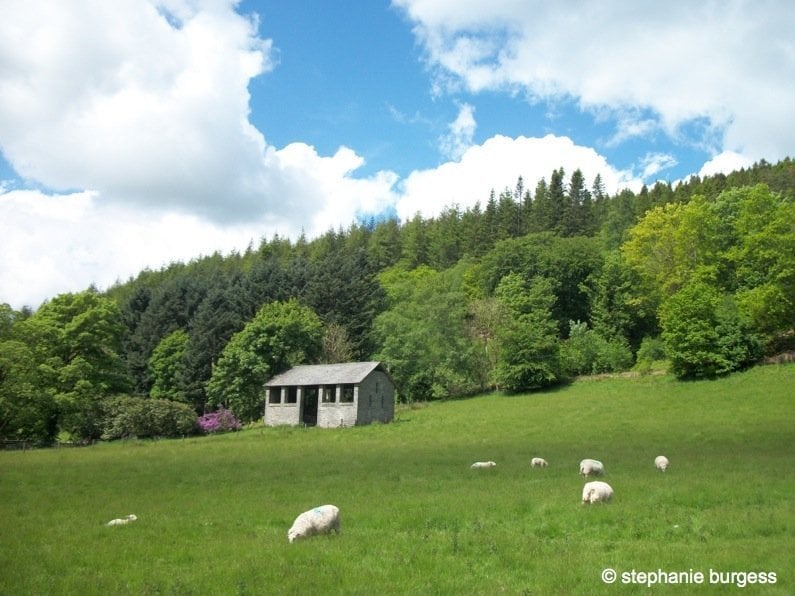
(214, 511)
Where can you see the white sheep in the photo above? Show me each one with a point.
(538, 462)
(591, 467)
(122, 521)
(596, 492)
(483, 464)
(320, 520)
(661, 462)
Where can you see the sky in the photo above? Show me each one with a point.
(138, 133)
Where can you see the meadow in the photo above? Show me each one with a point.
(213, 512)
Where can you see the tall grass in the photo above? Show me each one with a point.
(214, 511)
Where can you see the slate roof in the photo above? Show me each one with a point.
(325, 374)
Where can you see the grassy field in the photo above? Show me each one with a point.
(214, 511)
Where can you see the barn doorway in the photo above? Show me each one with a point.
(309, 414)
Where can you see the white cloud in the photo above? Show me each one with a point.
(459, 134)
(497, 164)
(654, 163)
(137, 113)
(64, 243)
(112, 97)
(729, 63)
(58, 243)
(725, 163)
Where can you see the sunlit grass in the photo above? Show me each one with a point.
(214, 511)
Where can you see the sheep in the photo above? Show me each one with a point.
(122, 521)
(661, 463)
(320, 520)
(591, 467)
(483, 464)
(596, 492)
(538, 462)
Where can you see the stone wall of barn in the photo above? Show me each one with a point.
(376, 399)
(338, 405)
(341, 411)
(283, 412)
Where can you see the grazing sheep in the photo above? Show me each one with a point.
(661, 462)
(538, 462)
(596, 492)
(122, 521)
(591, 467)
(320, 520)
(483, 464)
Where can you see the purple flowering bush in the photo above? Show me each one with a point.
(220, 421)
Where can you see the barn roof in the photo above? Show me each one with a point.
(325, 374)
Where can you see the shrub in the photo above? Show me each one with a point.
(588, 352)
(651, 351)
(126, 417)
(705, 334)
(220, 421)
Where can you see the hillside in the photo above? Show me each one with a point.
(213, 512)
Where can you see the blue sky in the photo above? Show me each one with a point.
(353, 73)
(141, 132)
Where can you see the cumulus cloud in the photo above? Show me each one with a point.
(141, 105)
(135, 115)
(725, 163)
(497, 164)
(459, 134)
(53, 243)
(731, 64)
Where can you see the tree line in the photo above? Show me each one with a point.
(522, 292)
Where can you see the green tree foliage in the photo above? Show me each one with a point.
(167, 367)
(764, 259)
(566, 262)
(221, 314)
(76, 341)
(616, 307)
(588, 352)
(27, 407)
(740, 243)
(704, 333)
(281, 335)
(528, 337)
(423, 334)
(486, 317)
(343, 289)
(171, 306)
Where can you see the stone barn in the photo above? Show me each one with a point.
(330, 395)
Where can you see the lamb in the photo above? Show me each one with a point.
(661, 462)
(538, 462)
(591, 467)
(320, 520)
(122, 521)
(483, 464)
(596, 492)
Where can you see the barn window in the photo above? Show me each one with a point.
(329, 394)
(347, 394)
(275, 395)
(292, 395)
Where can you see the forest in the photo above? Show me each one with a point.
(527, 290)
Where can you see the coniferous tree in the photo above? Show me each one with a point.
(415, 243)
(541, 218)
(558, 200)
